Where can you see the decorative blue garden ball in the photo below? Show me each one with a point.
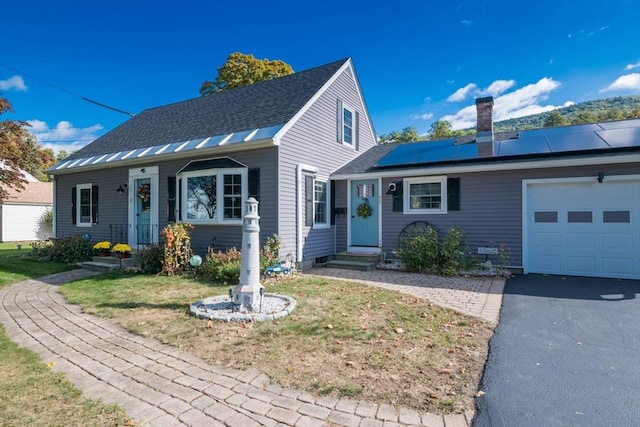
(195, 261)
(86, 237)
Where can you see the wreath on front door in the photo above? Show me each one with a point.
(364, 210)
(144, 192)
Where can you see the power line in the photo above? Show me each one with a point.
(84, 98)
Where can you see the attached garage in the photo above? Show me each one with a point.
(586, 226)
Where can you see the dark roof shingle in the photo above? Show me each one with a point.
(260, 105)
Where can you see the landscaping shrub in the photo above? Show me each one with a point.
(420, 252)
(270, 251)
(423, 252)
(177, 248)
(151, 259)
(65, 250)
(222, 266)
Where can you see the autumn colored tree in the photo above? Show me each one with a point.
(242, 70)
(16, 151)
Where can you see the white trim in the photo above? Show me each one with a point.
(502, 166)
(406, 183)
(351, 144)
(364, 249)
(310, 102)
(219, 173)
(300, 169)
(327, 182)
(54, 206)
(525, 207)
(79, 188)
(151, 172)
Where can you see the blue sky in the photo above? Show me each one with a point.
(418, 61)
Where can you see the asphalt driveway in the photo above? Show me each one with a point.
(565, 353)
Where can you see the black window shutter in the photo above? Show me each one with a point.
(254, 183)
(308, 200)
(73, 205)
(340, 118)
(356, 131)
(332, 206)
(171, 199)
(453, 194)
(398, 198)
(94, 204)
(179, 201)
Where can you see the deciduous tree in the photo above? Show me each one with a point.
(555, 118)
(16, 151)
(408, 134)
(440, 129)
(242, 70)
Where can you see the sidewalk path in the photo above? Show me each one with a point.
(160, 385)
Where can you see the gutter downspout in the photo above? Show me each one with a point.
(300, 168)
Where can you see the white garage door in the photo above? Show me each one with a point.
(581, 227)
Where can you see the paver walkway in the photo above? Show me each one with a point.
(476, 296)
(160, 385)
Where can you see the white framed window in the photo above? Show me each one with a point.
(348, 128)
(425, 195)
(84, 205)
(320, 205)
(214, 196)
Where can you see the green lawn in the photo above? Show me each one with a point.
(15, 264)
(31, 393)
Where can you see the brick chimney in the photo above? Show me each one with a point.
(484, 126)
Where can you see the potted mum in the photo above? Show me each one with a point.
(102, 248)
(122, 250)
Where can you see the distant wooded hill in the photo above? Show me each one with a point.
(599, 110)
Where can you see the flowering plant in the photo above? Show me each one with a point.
(122, 248)
(102, 246)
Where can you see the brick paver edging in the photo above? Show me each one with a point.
(160, 385)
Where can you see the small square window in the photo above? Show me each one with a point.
(425, 195)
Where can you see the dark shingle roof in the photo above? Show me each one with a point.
(261, 105)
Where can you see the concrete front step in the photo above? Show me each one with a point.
(370, 258)
(108, 263)
(350, 265)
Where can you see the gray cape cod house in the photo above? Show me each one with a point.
(198, 160)
(560, 200)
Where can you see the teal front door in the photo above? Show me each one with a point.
(365, 215)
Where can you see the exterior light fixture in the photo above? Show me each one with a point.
(600, 177)
(122, 188)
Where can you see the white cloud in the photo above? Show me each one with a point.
(626, 82)
(632, 66)
(466, 22)
(462, 93)
(521, 102)
(15, 82)
(472, 90)
(498, 87)
(64, 136)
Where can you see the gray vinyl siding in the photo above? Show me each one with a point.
(490, 207)
(113, 207)
(312, 140)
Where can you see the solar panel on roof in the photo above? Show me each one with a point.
(517, 147)
(621, 138)
(589, 127)
(575, 142)
(620, 124)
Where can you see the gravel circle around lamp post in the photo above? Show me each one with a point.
(222, 308)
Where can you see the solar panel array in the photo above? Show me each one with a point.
(577, 138)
